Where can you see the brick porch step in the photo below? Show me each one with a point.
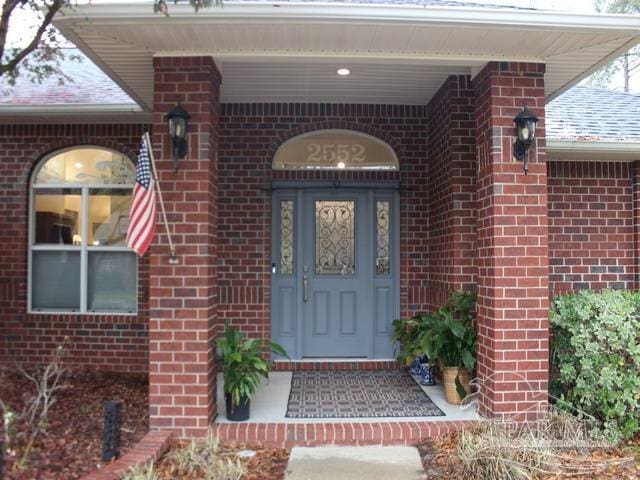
(287, 435)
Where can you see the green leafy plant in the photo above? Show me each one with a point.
(595, 358)
(242, 363)
(450, 336)
(406, 333)
(447, 336)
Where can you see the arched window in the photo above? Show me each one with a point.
(335, 150)
(78, 257)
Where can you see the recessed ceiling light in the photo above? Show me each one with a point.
(341, 165)
(77, 165)
(343, 71)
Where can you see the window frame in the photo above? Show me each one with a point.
(84, 248)
(394, 166)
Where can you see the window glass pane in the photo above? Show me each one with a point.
(55, 282)
(382, 238)
(108, 216)
(335, 237)
(87, 165)
(286, 237)
(57, 216)
(112, 282)
(335, 150)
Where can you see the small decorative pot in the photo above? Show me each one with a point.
(415, 367)
(427, 374)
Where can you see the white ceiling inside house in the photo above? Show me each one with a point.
(290, 53)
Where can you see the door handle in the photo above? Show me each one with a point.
(305, 288)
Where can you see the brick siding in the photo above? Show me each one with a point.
(451, 189)
(250, 136)
(591, 226)
(109, 342)
(512, 257)
(461, 223)
(183, 298)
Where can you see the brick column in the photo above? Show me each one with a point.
(183, 298)
(513, 290)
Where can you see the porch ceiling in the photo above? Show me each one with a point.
(290, 52)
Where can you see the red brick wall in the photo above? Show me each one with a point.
(250, 135)
(512, 258)
(451, 188)
(591, 226)
(183, 297)
(110, 342)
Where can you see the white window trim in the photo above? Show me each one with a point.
(84, 249)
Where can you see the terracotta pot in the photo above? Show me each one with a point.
(449, 375)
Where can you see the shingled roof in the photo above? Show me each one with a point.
(582, 114)
(88, 85)
(588, 114)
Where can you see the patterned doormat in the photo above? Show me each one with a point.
(358, 394)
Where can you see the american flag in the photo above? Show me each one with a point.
(142, 217)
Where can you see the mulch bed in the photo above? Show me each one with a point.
(267, 464)
(440, 460)
(71, 446)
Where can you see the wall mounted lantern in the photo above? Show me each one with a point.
(178, 119)
(526, 124)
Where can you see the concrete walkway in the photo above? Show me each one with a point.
(355, 463)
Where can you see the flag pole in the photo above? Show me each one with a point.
(173, 258)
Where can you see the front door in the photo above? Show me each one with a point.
(334, 289)
(335, 275)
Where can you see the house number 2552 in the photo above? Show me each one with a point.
(331, 152)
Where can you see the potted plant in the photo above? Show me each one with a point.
(451, 339)
(242, 367)
(406, 336)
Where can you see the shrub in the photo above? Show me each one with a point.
(491, 451)
(596, 358)
(203, 458)
(140, 472)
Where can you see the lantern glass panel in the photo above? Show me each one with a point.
(531, 126)
(177, 127)
(523, 132)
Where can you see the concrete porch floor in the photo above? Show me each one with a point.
(270, 405)
(268, 424)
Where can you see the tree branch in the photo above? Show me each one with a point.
(56, 5)
(7, 10)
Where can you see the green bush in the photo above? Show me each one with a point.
(596, 358)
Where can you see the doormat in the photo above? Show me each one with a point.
(358, 394)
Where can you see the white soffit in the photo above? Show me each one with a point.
(289, 52)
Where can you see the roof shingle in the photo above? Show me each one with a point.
(88, 85)
(594, 115)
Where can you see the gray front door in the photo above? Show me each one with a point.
(336, 275)
(334, 288)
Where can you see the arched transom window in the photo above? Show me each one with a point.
(78, 258)
(335, 150)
